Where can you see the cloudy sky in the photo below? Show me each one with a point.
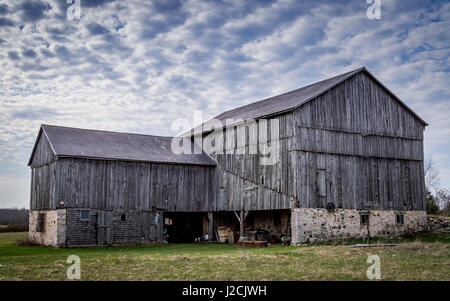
(135, 66)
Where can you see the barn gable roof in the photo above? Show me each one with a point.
(94, 144)
(292, 100)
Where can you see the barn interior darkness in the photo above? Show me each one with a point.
(264, 225)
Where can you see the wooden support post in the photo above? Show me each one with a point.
(210, 226)
(241, 218)
(241, 224)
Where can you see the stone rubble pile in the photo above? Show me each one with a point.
(439, 223)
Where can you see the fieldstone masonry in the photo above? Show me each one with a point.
(54, 230)
(317, 224)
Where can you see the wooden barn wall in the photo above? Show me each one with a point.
(354, 146)
(43, 154)
(357, 147)
(243, 183)
(361, 183)
(360, 105)
(114, 185)
(43, 187)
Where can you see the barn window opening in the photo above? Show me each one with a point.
(85, 215)
(399, 219)
(321, 182)
(40, 225)
(123, 217)
(364, 218)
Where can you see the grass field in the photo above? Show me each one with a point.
(423, 257)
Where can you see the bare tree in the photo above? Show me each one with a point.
(443, 198)
(431, 175)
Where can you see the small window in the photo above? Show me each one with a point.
(123, 217)
(399, 219)
(364, 218)
(40, 225)
(85, 215)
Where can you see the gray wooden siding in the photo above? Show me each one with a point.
(43, 187)
(360, 105)
(43, 153)
(357, 147)
(353, 182)
(99, 184)
(354, 146)
(246, 184)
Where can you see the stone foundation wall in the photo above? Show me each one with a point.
(317, 224)
(53, 232)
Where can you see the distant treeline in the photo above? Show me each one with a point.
(9, 216)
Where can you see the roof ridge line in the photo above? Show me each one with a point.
(103, 131)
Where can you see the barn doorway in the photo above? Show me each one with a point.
(103, 221)
(273, 226)
(185, 227)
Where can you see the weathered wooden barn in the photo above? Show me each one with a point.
(348, 163)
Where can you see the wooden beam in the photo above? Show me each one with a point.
(237, 216)
(210, 226)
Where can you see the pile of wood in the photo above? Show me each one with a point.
(252, 244)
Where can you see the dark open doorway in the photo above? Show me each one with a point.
(185, 227)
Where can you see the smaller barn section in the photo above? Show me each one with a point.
(104, 188)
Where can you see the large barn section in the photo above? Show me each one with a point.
(349, 164)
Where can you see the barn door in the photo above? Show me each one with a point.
(104, 233)
(155, 226)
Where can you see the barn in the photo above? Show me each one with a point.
(340, 158)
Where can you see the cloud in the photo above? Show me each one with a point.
(95, 3)
(6, 22)
(33, 11)
(29, 53)
(13, 55)
(137, 65)
(3, 9)
(34, 113)
(96, 29)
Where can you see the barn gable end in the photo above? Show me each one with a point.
(359, 117)
(361, 104)
(358, 149)
(42, 153)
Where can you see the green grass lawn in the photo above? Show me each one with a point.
(422, 257)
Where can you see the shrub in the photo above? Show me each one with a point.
(432, 207)
(14, 228)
